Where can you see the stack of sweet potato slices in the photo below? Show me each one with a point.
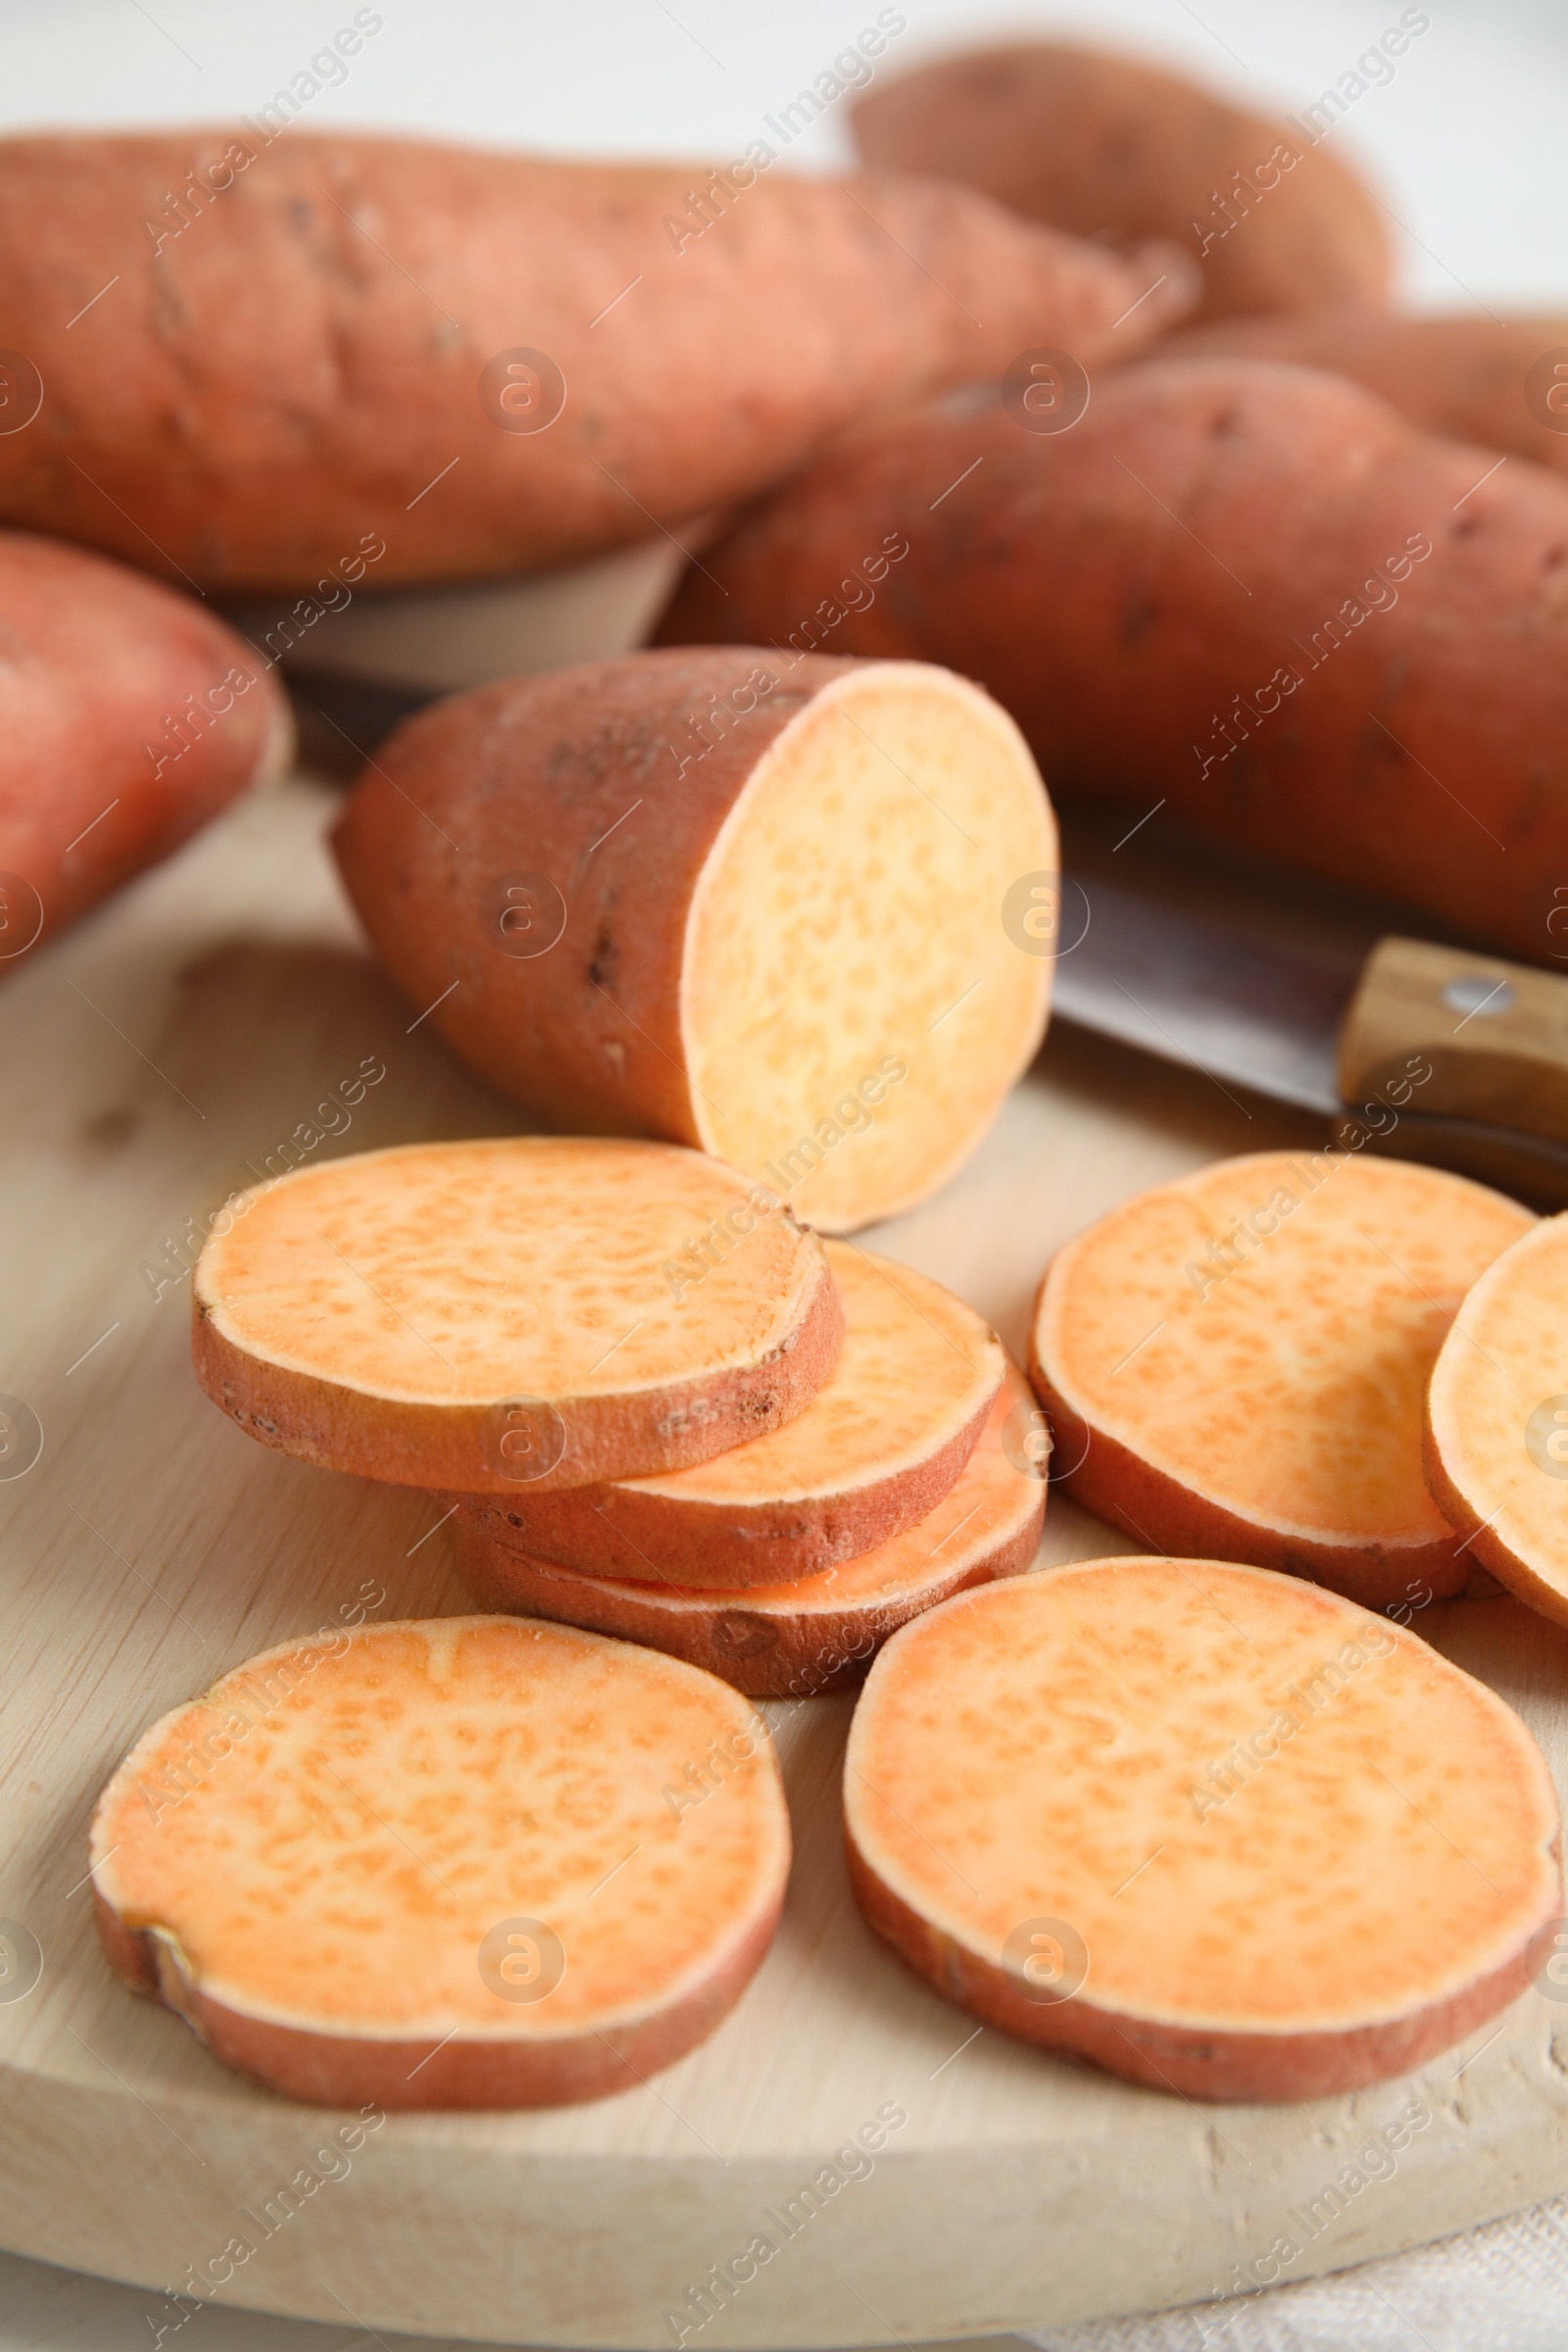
(662, 1408)
(783, 1563)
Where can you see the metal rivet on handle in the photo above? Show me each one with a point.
(1473, 992)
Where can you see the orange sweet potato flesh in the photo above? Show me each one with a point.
(434, 1864)
(130, 715)
(1253, 591)
(1493, 381)
(1120, 150)
(1496, 1451)
(743, 899)
(497, 1315)
(1208, 1827)
(296, 364)
(1236, 1364)
(880, 1443)
(816, 1632)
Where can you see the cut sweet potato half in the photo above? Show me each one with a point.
(1498, 1419)
(1212, 1828)
(877, 1447)
(820, 1632)
(1236, 1364)
(439, 1864)
(755, 901)
(506, 1314)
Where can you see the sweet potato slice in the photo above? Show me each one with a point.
(1211, 1827)
(1236, 1364)
(749, 900)
(818, 1633)
(877, 1447)
(1496, 1441)
(499, 1315)
(435, 1864)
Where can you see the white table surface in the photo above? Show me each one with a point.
(1466, 148)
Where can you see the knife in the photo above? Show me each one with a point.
(1420, 1048)
(1425, 1051)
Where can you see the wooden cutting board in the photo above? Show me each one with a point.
(146, 1062)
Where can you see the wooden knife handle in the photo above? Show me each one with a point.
(1446, 1034)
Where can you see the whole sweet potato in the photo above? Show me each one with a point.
(1252, 593)
(1119, 150)
(1502, 383)
(246, 358)
(129, 716)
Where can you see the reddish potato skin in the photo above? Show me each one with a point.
(328, 2070)
(1125, 587)
(1110, 147)
(1464, 376)
(771, 1657)
(530, 778)
(1153, 1507)
(616, 1531)
(423, 1444)
(294, 368)
(1485, 1545)
(1208, 2065)
(96, 666)
(1106, 1478)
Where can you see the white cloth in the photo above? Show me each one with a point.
(1500, 2289)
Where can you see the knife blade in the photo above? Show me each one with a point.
(1420, 1049)
(1244, 1012)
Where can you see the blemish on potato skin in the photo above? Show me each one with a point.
(1138, 617)
(110, 1131)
